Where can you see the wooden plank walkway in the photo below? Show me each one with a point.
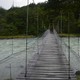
(50, 64)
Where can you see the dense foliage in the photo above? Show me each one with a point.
(59, 14)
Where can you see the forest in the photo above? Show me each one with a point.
(63, 15)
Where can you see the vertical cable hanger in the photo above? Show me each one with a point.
(58, 26)
(12, 47)
(42, 32)
(61, 22)
(13, 4)
(37, 30)
(33, 2)
(78, 46)
(43, 27)
(78, 40)
(10, 73)
(69, 76)
(12, 42)
(61, 26)
(26, 39)
(12, 30)
(53, 26)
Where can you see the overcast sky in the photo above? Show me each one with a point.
(8, 3)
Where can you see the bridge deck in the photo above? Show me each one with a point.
(51, 64)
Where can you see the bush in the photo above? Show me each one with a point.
(77, 72)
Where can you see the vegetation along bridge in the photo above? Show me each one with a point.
(50, 63)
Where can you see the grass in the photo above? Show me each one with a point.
(31, 36)
(78, 77)
(71, 35)
(19, 36)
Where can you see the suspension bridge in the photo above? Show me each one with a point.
(50, 63)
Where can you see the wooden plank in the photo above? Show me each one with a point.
(51, 64)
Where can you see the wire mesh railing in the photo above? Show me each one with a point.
(74, 57)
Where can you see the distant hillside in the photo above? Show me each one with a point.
(55, 13)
